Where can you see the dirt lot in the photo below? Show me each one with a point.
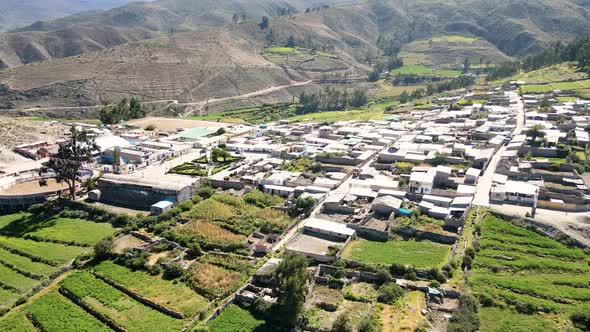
(17, 131)
(33, 187)
(171, 124)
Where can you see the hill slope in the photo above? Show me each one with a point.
(17, 13)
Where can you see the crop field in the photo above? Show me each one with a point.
(405, 315)
(564, 86)
(119, 307)
(361, 292)
(26, 265)
(16, 322)
(55, 253)
(173, 295)
(224, 221)
(518, 272)
(8, 297)
(54, 312)
(13, 280)
(237, 319)
(211, 280)
(423, 70)
(420, 254)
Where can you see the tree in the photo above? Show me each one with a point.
(302, 206)
(389, 293)
(535, 132)
(173, 270)
(290, 41)
(466, 65)
(290, 278)
(103, 249)
(465, 319)
(220, 131)
(263, 25)
(217, 154)
(69, 160)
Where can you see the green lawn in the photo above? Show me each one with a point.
(421, 254)
(9, 218)
(122, 309)
(518, 268)
(55, 313)
(46, 251)
(173, 295)
(236, 319)
(8, 297)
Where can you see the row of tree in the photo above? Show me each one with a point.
(122, 111)
(431, 89)
(331, 99)
(578, 50)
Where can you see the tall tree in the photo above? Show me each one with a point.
(264, 23)
(290, 278)
(535, 132)
(69, 160)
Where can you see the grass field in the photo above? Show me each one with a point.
(173, 295)
(236, 319)
(122, 309)
(558, 73)
(79, 231)
(55, 313)
(519, 271)
(324, 320)
(420, 254)
(405, 315)
(211, 280)
(14, 280)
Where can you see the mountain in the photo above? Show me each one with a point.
(193, 50)
(18, 13)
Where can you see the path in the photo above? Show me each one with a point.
(484, 184)
(243, 96)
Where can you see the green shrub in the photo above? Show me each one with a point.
(389, 293)
(581, 320)
(173, 271)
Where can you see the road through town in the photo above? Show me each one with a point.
(484, 184)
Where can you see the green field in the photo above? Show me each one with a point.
(16, 322)
(11, 279)
(26, 264)
(423, 70)
(170, 294)
(564, 86)
(55, 313)
(236, 319)
(519, 271)
(122, 309)
(420, 254)
(8, 297)
(557, 73)
(74, 231)
(45, 251)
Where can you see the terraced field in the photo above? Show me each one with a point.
(527, 281)
(173, 295)
(564, 86)
(123, 310)
(33, 250)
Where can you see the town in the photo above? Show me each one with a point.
(379, 208)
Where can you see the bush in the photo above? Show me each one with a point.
(470, 252)
(465, 318)
(436, 274)
(389, 293)
(173, 271)
(205, 191)
(103, 249)
(434, 284)
(467, 261)
(581, 320)
(194, 250)
(526, 308)
(486, 300)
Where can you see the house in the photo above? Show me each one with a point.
(421, 183)
(161, 207)
(516, 192)
(385, 205)
(328, 228)
(472, 175)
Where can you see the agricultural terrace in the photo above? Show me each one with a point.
(405, 315)
(215, 276)
(324, 320)
(120, 308)
(237, 319)
(527, 281)
(167, 293)
(223, 222)
(420, 254)
(548, 87)
(423, 70)
(34, 249)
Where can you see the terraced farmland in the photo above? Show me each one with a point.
(527, 281)
(120, 308)
(173, 295)
(564, 86)
(35, 249)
